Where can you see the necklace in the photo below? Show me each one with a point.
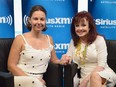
(81, 54)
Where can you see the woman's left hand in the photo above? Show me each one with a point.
(98, 69)
(65, 60)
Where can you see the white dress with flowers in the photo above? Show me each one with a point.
(96, 55)
(34, 63)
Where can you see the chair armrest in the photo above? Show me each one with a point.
(69, 72)
(6, 80)
(54, 75)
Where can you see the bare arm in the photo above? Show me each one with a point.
(14, 56)
(54, 58)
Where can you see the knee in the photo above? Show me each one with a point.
(95, 76)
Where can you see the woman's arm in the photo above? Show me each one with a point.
(14, 56)
(102, 57)
(101, 53)
(54, 58)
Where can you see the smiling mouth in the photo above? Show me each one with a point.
(39, 25)
(81, 31)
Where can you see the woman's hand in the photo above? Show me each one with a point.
(65, 60)
(85, 82)
(98, 69)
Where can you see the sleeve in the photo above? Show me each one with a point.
(102, 51)
(70, 49)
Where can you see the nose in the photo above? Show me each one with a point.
(79, 28)
(39, 21)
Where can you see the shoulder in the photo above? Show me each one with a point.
(99, 38)
(71, 41)
(18, 39)
(49, 36)
(50, 39)
(20, 36)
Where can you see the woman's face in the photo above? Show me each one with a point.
(38, 20)
(82, 29)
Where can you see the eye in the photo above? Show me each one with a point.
(83, 25)
(42, 19)
(35, 18)
(76, 25)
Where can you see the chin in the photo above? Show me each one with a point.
(82, 35)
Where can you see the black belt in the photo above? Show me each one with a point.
(35, 73)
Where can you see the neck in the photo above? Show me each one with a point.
(36, 34)
(83, 40)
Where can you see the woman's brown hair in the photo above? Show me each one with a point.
(36, 8)
(92, 32)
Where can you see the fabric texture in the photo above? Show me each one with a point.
(96, 55)
(34, 63)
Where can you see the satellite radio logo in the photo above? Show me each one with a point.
(59, 20)
(6, 20)
(52, 21)
(25, 19)
(61, 47)
(106, 23)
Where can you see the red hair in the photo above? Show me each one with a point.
(78, 18)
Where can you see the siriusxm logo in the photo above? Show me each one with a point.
(105, 22)
(25, 18)
(61, 46)
(52, 20)
(59, 20)
(6, 20)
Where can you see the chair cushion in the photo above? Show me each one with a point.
(5, 45)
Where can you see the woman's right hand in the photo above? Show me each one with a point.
(85, 82)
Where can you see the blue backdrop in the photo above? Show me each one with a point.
(104, 14)
(6, 19)
(59, 17)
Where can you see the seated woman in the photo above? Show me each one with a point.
(31, 52)
(88, 49)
